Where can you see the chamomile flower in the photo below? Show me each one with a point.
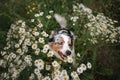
(50, 54)
(36, 33)
(83, 66)
(41, 40)
(48, 16)
(48, 67)
(40, 25)
(34, 46)
(19, 51)
(64, 73)
(51, 11)
(89, 65)
(21, 30)
(47, 78)
(74, 74)
(56, 73)
(45, 50)
(36, 62)
(37, 15)
(32, 20)
(69, 59)
(46, 46)
(41, 13)
(36, 71)
(79, 70)
(40, 66)
(78, 54)
(37, 51)
(56, 78)
(17, 45)
(55, 64)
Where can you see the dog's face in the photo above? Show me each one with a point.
(62, 43)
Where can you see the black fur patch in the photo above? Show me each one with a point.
(66, 32)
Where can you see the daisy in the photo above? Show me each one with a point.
(79, 70)
(47, 78)
(48, 16)
(34, 46)
(21, 30)
(46, 46)
(50, 54)
(83, 66)
(89, 65)
(41, 40)
(69, 59)
(48, 67)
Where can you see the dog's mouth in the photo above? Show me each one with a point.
(62, 55)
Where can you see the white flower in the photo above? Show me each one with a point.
(64, 73)
(65, 78)
(44, 34)
(44, 50)
(74, 74)
(17, 45)
(89, 65)
(32, 20)
(48, 16)
(37, 15)
(19, 21)
(34, 46)
(28, 58)
(69, 59)
(23, 24)
(31, 76)
(37, 51)
(78, 54)
(50, 54)
(48, 67)
(1, 62)
(19, 51)
(41, 40)
(79, 70)
(36, 33)
(56, 73)
(36, 62)
(51, 11)
(56, 78)
(40, 25)
(41, 13)
(46, 46)
(55, 64)
(21, 30)
(41, 66)
(83, 66)
(36, 71)
(47, 78)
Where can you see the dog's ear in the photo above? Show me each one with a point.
(61, 20)
(51, 37)
(72, 35)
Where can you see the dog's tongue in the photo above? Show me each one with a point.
(61, 55)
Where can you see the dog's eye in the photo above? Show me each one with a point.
(70, 44)
(60, 43)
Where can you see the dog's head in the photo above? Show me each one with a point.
(62, 41)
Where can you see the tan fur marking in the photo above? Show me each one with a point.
(55, 47)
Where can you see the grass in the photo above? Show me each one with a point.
(16, 9)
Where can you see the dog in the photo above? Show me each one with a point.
(61, 42)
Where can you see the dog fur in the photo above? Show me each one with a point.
(61, 42)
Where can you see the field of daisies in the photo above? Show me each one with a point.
(25, 53)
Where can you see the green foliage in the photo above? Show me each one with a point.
(13, 10)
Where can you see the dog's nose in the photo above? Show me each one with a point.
(68, 52)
